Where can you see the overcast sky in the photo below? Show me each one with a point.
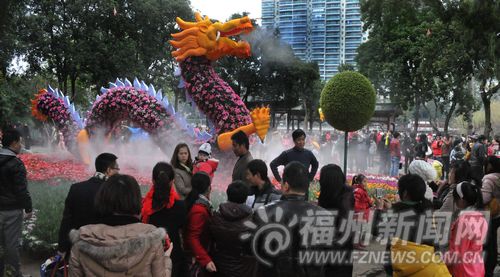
(223, 9)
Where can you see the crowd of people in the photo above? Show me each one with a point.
(109, 228)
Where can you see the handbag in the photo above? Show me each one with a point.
(54, 267)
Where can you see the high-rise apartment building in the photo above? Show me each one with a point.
(325, 31)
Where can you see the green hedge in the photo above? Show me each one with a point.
(348, 101)
(40, 233)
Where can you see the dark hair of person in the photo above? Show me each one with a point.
(358, 179)
(472, 194)
(258, 166)
(495, 165)
(462, 171)
(481, 138)
(200, 184)
(237, 192)
(423, 138)
(10, 136)
(163, 175)
(457, 142)
(175, 157)
(120, 194)
(105, 161)
(396, 135)
(296, 176)
(414, 187)
(241, 139)
(331, 182)
(297, 134)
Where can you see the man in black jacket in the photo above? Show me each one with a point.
(79, 205)
(262, 192)
(292, 213)
(241, 147)
(477, 158)
(14, 198)
(297, 153)
(231, 255)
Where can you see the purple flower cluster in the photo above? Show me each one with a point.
(213, 96)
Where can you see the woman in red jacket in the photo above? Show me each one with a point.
(196, 233)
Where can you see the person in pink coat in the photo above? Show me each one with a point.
(468, 232)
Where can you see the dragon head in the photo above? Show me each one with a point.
(212, 40)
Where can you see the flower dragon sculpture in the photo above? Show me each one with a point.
(198, 45)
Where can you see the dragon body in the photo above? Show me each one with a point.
(198, 44)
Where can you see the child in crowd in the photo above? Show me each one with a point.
(362, 202)
(204, 162)
(468, 232)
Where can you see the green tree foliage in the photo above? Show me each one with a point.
(348, 101)
(428, 51)
(97, 41)
(15, 95)
(10, 10)
(346, 67)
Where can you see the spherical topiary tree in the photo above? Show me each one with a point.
(348, 102)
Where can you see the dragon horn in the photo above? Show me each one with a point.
(184, 24)
(185, 33)
(198, 16)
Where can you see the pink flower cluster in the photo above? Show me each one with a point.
(55, 109)
(213, 96)
(129, 103)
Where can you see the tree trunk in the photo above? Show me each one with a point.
(73, 87)
(273, 120)
(470, 126)
(449, 114)
(487, 114)
(417, 114)
(306, 113)
(176, 98)
(65, 86)
(288, 119)
(432, 119)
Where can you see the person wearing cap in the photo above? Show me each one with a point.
(425, 171)
(204, 162)
(478, 156)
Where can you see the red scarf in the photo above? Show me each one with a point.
(147, 203)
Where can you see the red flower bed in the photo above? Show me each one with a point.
(42, 167)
